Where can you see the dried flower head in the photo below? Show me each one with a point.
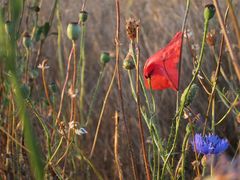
(131, 27)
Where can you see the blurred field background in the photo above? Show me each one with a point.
(159, 21)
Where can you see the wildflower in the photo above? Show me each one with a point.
(73, 125)
(80, 131)
(43, 65)
(209, 144)
(161, 68)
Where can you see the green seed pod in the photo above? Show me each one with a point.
(128, 63)
(192, 93)
(73, 31)
(209, 12)
(27, 41)
(83, 15)
(9, 28)
(105, 57)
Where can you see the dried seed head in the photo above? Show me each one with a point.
(211, 37)
(131, 28)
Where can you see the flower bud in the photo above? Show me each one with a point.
(73, 31)
(83, 15)
(128, 63)
(27, 41)
(192, 92)
(209, 11)
(105, 57)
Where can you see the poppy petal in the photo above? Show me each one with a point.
(162, 68)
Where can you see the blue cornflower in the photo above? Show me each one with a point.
(209, 144)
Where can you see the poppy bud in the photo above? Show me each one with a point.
(73, 31)
(192, 92)
(128, 63)
(83, 15)
(27, 41)
(105, 57)
(209, 11)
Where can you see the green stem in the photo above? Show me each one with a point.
(94, 96)
(82, 70)
(185, 143)
(59, 42)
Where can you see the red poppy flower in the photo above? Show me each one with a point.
(162, 67)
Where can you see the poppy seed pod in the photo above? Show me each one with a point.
(209, 11)
(83, 15)
(105, 57)
(73, 31)
(9, 28)
(27, 41)
(128, 63)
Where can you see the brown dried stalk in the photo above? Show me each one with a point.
(146, 164)
(117, 42)
(117, 161)
(229, 46)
